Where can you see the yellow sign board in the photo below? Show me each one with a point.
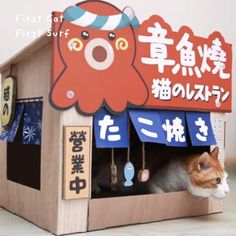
(77, 142)
(8, 98)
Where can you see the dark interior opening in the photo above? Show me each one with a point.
(23, 161)
(157, 155)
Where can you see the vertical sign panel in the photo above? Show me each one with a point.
(77, 142)
(174, 125)
(200, 129)
(148, 125)
(111, 131)
(8, 101)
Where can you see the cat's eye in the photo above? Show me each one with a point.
(218, 180)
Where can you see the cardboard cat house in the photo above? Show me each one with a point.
(66, 95)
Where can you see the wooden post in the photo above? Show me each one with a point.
(73, 214)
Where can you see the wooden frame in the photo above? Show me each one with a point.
(46, 208)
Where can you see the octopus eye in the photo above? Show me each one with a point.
(85, 35)
(111, 36)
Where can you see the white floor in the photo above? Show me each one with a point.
(213, 225)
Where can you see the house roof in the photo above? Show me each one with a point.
(25, 52)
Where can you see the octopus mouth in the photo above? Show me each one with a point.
(99, 54)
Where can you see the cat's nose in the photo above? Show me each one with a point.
(226, 191)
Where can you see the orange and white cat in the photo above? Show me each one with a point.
(201, 175)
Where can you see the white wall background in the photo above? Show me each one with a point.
(202, 16)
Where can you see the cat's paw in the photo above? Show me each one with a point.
(96, 189)
(155, 189)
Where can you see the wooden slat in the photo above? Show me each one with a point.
(110, 212)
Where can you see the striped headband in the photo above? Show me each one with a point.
(78, 16)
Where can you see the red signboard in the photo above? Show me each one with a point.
(181, 70)
(108, 59)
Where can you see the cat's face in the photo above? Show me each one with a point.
(207, 177)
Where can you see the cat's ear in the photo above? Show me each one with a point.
(215, 153)
(203, 161)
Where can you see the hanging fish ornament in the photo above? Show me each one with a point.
(129, 174)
